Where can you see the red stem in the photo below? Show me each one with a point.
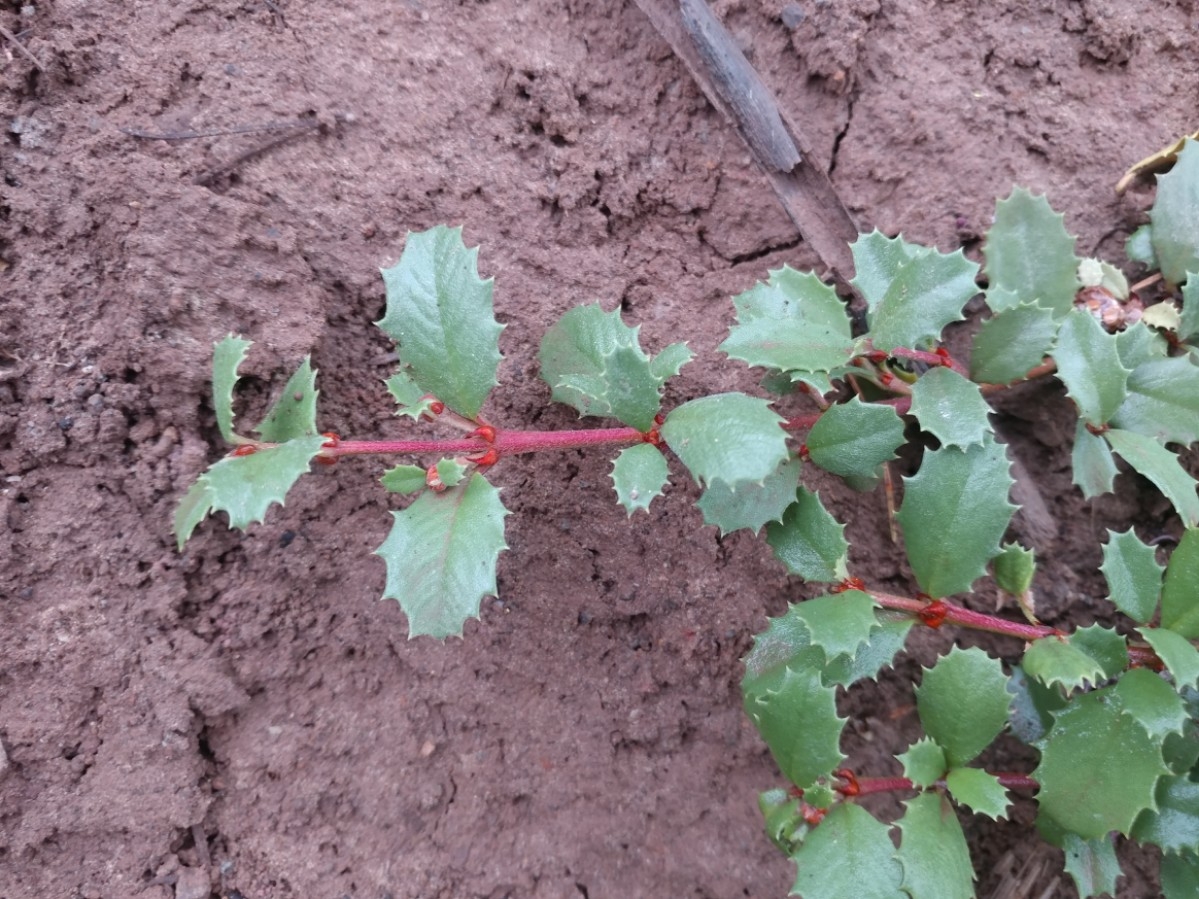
(867, 785)
(506, 443)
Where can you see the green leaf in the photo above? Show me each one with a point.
(1180, 876)
(404, 479)
(886, 640)
(924, 763)
(783, 819)
(1153, 703)
(1092, 864)
(1175, 216)
(1029, 252)
(839, 624)
(979, 791)
(1015, 568)
(1000, 299)
(853, 439)
(294, 413)
(639, 474)
(1088, 363)
(809, 541)
(246, 486)
(227, 356)
(927, 293)
(440, 314)
(751, 505)
(451, 472)
(954, 513)
(727, 437)
(950, 407)
(193, 508)
(1153, 461)
(1134, 578)
(784, 644)
(441, 556)
(1188, 325)
(1011, 343)
(1032, 706)
(1139, 344)
(849, 854)
(933, 851)
(877, 260)
(1180, 593)
(412, 399)
(1174, 824)
(593, 361)
(1163, 401)
(799, 723)
(963, 703)
(1177, 653)
(1139, 247)
(793, 322)
(1094, 467)
(1098, 767)
(1097, 273)
(1088, 656)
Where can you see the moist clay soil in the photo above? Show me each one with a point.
(245, 718)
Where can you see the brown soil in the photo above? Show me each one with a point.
(246, 717)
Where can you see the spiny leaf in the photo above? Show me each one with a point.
(193, 508)
(1159, 465)
(783, 819)
(593, 361)
(727, 437)
(1015, 567)
(227, 356)
(1029, 252)
(927, 293)
(246, 486)
(639, 474)
(809, 541)
(1094, 467)
(1134, 578)
(1088, 363)
(1011, 343)
(839, 624)
(1097, 273)
(1188, 325)
(1092, 864)
(886, 640)
(784, 644)
(441, 556)
(294, 413)
(1139, 247)
(404, 479)
(1174, 824)
(963, 703)
(1089, 656)
(933, 851)
(954, 513)
(451, 472)
(1180, 876)
(1180, 593)
(1032, 706)
(877, 260)
(1163, 401)
(751, 505)
(1175, 216)
(411, 398)
(950, 408)
(1177, 653)
(799, 723)
(1098, 768)
(853, 439)
(1139, 344)
(440, 314)
(1153, 703)
(864, 866)
(924, 762)
(1001, 299)
(979, 791)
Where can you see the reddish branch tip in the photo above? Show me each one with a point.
(485, 432)
(433, 479)
(886, 378)
(934, 613)
(486, 460)
(803, 453)
(850, 583)
(877, 356)
(246, 449)
(437, 407)
(1097, 429)
(850, 787)
(812, 815)
(332, 440)
(946, 359)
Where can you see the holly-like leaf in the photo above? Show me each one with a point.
(1030, 253)
(440, 314)
(1015, 567)
(639, 474)
(963, 703)
(404, 479)
(294, 413)
(1092, 864)
(849, 854)
(924, 762)
(793, 322)
(840, 624)
(1180, 876)
(1175, 216)
(853, 439)
(950, 407)
(1033, 705)
(784, 644)
(751, 505)
(728, 437)
(1163, 401)
(933, 851)
(1098, 767)
(410, 397)
(954, 513)
(193, 508)
(809, 541)
(799, 723)
(1094, 467)
(1001, 299)
(593, 361)
(227, 356)
(1134, 578)
(1153, 703)
(1087, 657)
(979, 791)
(1011, 343)
(877, 260)
(451, 472)
(783, 819)
(1180, 593)
(1088, 363)
(1177, 653)
(244, 487)
(441, 556)
(1174, 824)
(1188, 323)
(1139, 344)
(1158, 464)
(886, 640)
(926, 294)
(1139, 247)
